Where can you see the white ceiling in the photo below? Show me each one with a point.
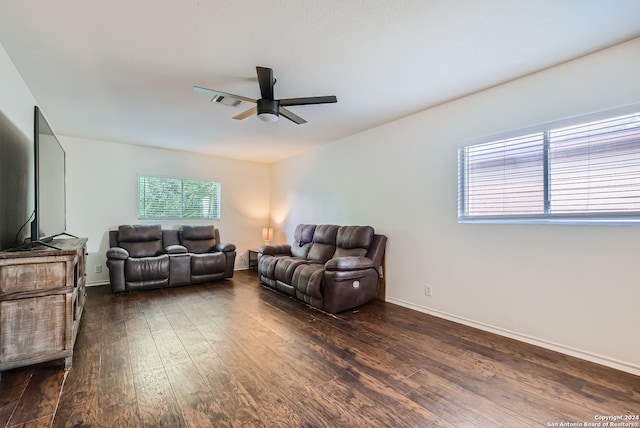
(122, 70)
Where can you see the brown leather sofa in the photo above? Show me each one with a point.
(146, 256)
(333, 268)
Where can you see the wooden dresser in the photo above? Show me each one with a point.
(42, 295)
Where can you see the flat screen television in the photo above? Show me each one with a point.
(50, 199)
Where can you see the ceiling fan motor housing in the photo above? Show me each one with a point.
(268, 106)
(268, 110)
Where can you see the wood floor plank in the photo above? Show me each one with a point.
(301, 371)
(42, 422)
(273, 394)
(156, 403)
(228, 391)
(117, 406)
(168, 345)
(116, 403)
(45, 383)
(79, 397)
(507, 362)
(257, 374)
(197, 403)
(12, 386)
(355, 349)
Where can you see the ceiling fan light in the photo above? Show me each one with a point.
(268, 117)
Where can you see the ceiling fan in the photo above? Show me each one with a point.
(269, 109)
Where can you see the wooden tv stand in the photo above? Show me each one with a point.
(42, 295)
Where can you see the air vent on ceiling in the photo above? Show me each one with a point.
(227, 101)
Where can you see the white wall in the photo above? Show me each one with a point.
(571, 288)
(16, 100)
(102, 193)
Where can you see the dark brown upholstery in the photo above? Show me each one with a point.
(198, 239)
(353, 241)
(302, 239)
(141, 240)
(324, 243)
(333, 268)
(146, 256)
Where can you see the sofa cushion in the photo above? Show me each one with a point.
(285, 268)
(302, 239)
(147, 269)
(307, 281)
(198, 239)
(353, 241)
(141, 240)
(202, 264)
(324, 243)
(267, 265)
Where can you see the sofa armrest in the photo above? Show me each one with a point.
(275, 249)
(117, 253)
(349, 263)
(175, 249)
(116, 259)
(225, 247)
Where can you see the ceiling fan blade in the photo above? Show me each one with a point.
(223, 94)
(246, 114)
(266, 81)
(291, 116)
(308, 100)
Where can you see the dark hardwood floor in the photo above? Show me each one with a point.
(236, 354)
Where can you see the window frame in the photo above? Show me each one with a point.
(216, 182)
(546, 217)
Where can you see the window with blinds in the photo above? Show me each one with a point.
(177, 198)
(587, 172)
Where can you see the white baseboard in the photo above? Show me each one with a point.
(578, 353)
(96, 283)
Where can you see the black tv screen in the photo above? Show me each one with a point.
(50, 203)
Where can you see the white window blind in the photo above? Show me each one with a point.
(505, 177)
(177, 198)
(582, 172)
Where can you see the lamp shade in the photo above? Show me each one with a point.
(267, 234)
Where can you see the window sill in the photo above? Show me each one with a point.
(607, 221)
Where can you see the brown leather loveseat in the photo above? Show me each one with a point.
(146, 256)
(333, 268)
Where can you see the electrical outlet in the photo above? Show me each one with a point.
(97, 269)
(428, 290)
